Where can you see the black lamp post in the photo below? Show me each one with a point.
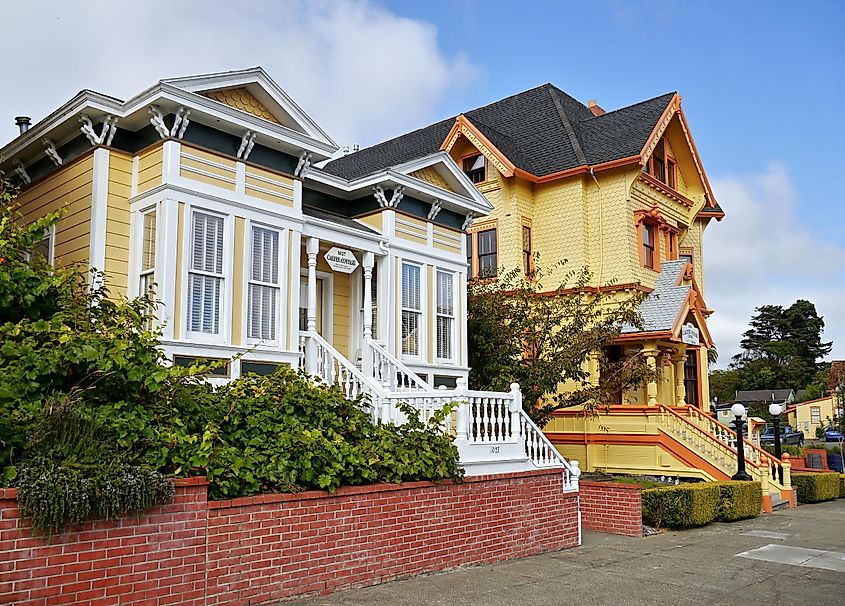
(775, 410)
(738, 410)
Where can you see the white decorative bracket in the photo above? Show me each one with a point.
(180, 123)
(383, 202)
(247, 141)
(106, 132)
(435, 209)
(21, 171)
(50, 150)
(303, 165)
(468, 221)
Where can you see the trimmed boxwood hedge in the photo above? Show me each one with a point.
(684, 506)
(739, 501)
(842, 485)
(816, 487)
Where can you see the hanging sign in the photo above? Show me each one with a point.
(342, 260)
(689, 334)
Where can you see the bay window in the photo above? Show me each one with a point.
(411, 309)
(263, 288)
(205, 273)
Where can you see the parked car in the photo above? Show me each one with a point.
(831, 434)
(787, 436)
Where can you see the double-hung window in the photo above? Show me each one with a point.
(148, 252)
(445, 315)
(648, 245)
(264, 285)
(205, 274)
(527, 253)
(488, 257)
(411, 309)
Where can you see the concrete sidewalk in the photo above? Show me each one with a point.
(694, 567)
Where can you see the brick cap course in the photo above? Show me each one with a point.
(614, 485)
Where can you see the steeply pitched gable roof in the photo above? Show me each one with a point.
(661, 308)
(542, 131)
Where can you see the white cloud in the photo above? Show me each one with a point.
(362, 72)
(762, 254)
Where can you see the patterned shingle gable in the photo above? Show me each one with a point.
(661, 307)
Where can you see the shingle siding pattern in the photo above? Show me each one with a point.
(529, 129)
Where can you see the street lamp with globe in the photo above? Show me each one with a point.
(775, 410)
(738, 411)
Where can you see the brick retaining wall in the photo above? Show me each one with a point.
(271, 547)
(612, 507)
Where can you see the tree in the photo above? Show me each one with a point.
(521, 331)
(782, 347)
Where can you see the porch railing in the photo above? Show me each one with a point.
(330, 366)
(390, 372)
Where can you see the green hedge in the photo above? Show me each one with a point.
(684, 506)
(739, 500)
(816, 487)
(842, 486)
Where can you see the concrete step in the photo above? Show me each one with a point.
(779, 502)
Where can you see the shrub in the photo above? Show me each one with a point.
(683, 506)
(815, 487)
(842, 485)
(739, 500)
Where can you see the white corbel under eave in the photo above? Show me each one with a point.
(106, 134)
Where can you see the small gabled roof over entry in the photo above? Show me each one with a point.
(674, 301)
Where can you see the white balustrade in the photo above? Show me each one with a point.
(391, 372)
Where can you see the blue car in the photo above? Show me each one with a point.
(832, 434)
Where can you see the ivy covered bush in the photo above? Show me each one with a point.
(93, 421)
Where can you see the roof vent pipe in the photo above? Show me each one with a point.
(23, 123)
(595, 108)
(355, 147)
(345, 150)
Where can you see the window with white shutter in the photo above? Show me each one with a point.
(445, 314)
(263, 288)
(148, 252)
(205, 274)
(411, 309)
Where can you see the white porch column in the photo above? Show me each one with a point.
(680, 390)
(650, 352)
(366, 352)
(369, 261)
(312, 247)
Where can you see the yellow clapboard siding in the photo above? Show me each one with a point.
(69, 188)
(208, 180)
(117, 223)
(150, 168)
(447, 239)
(269, 197)
(411, 229)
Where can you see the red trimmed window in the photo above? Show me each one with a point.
(649, 239)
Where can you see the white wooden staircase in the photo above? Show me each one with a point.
(492, 432)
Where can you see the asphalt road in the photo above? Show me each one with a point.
(789, 557)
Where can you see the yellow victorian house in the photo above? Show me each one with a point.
(625, 194)
(208, 188)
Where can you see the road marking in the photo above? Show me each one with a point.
(797, 556)
(765, 534)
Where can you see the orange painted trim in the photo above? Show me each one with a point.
(486, 165)
(708, 190)
(766, 505)
(615, 409)
(640, 336)
(661, 440)
(665, 189)
(659, 128)
(462, 123)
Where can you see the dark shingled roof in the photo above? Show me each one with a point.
(542, 131)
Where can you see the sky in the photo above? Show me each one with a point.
(763, 84)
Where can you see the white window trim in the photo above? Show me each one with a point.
(454, 317)
(138, 260)
(280, 292)
(422, 340)
(50, 236)
(224, 336)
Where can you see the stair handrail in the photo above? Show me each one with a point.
(370, 383)
(414, 379)
(761, 453)
(767, 461)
